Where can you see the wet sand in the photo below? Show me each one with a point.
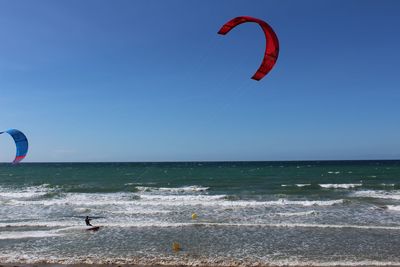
(134, 265)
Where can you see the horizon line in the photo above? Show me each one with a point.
(202, 161)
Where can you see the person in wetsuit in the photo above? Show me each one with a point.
(87, 221)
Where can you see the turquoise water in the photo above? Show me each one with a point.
(252, 213)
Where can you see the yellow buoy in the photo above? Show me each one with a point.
(176, 246)
(194, 216)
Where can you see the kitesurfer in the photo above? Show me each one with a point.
(87, 221)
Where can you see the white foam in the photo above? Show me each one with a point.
(219, 200)
(138, 210)
(300, 213)
(181, 198)
(302, 185)
(383, 184)
(184, 189)
(278, 225)
(83, 200)
(393, 207)
(343, 186)
(298, 185)
(378, 194)
(37, 234)
(129, 201)
(138, 184)
(27, 234)
(73, 226)
(306, 202)
(82, 210)
(49, 224)
(21, 195)
(30, 192)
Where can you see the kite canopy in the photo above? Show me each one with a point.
(21, 143)
(271, 47)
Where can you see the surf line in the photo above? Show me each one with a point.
(283, 225)
(300, 225)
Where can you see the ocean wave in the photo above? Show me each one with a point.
(140, 211)
(27, 234)
(73, 226)
(182, 198)
(221, 200)
(393, 207)
(82, 210)
(388, 185)
(300, 213)
(139, 183)
(86, 201)
(30, 192)
(297, 185)
(341, 186)
(302, 185)
(395, 195)
(83, 200)
(184, 189)
(306, 203)
(39, 224)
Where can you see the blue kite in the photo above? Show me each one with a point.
(21, 143)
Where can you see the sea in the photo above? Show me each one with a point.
(308, 213)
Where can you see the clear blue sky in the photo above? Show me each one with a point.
(153, 81)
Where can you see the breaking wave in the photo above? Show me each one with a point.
(341, 186)
(395, 195)
(184, 189)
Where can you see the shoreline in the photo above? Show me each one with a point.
(137, 265)
(196, 264)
